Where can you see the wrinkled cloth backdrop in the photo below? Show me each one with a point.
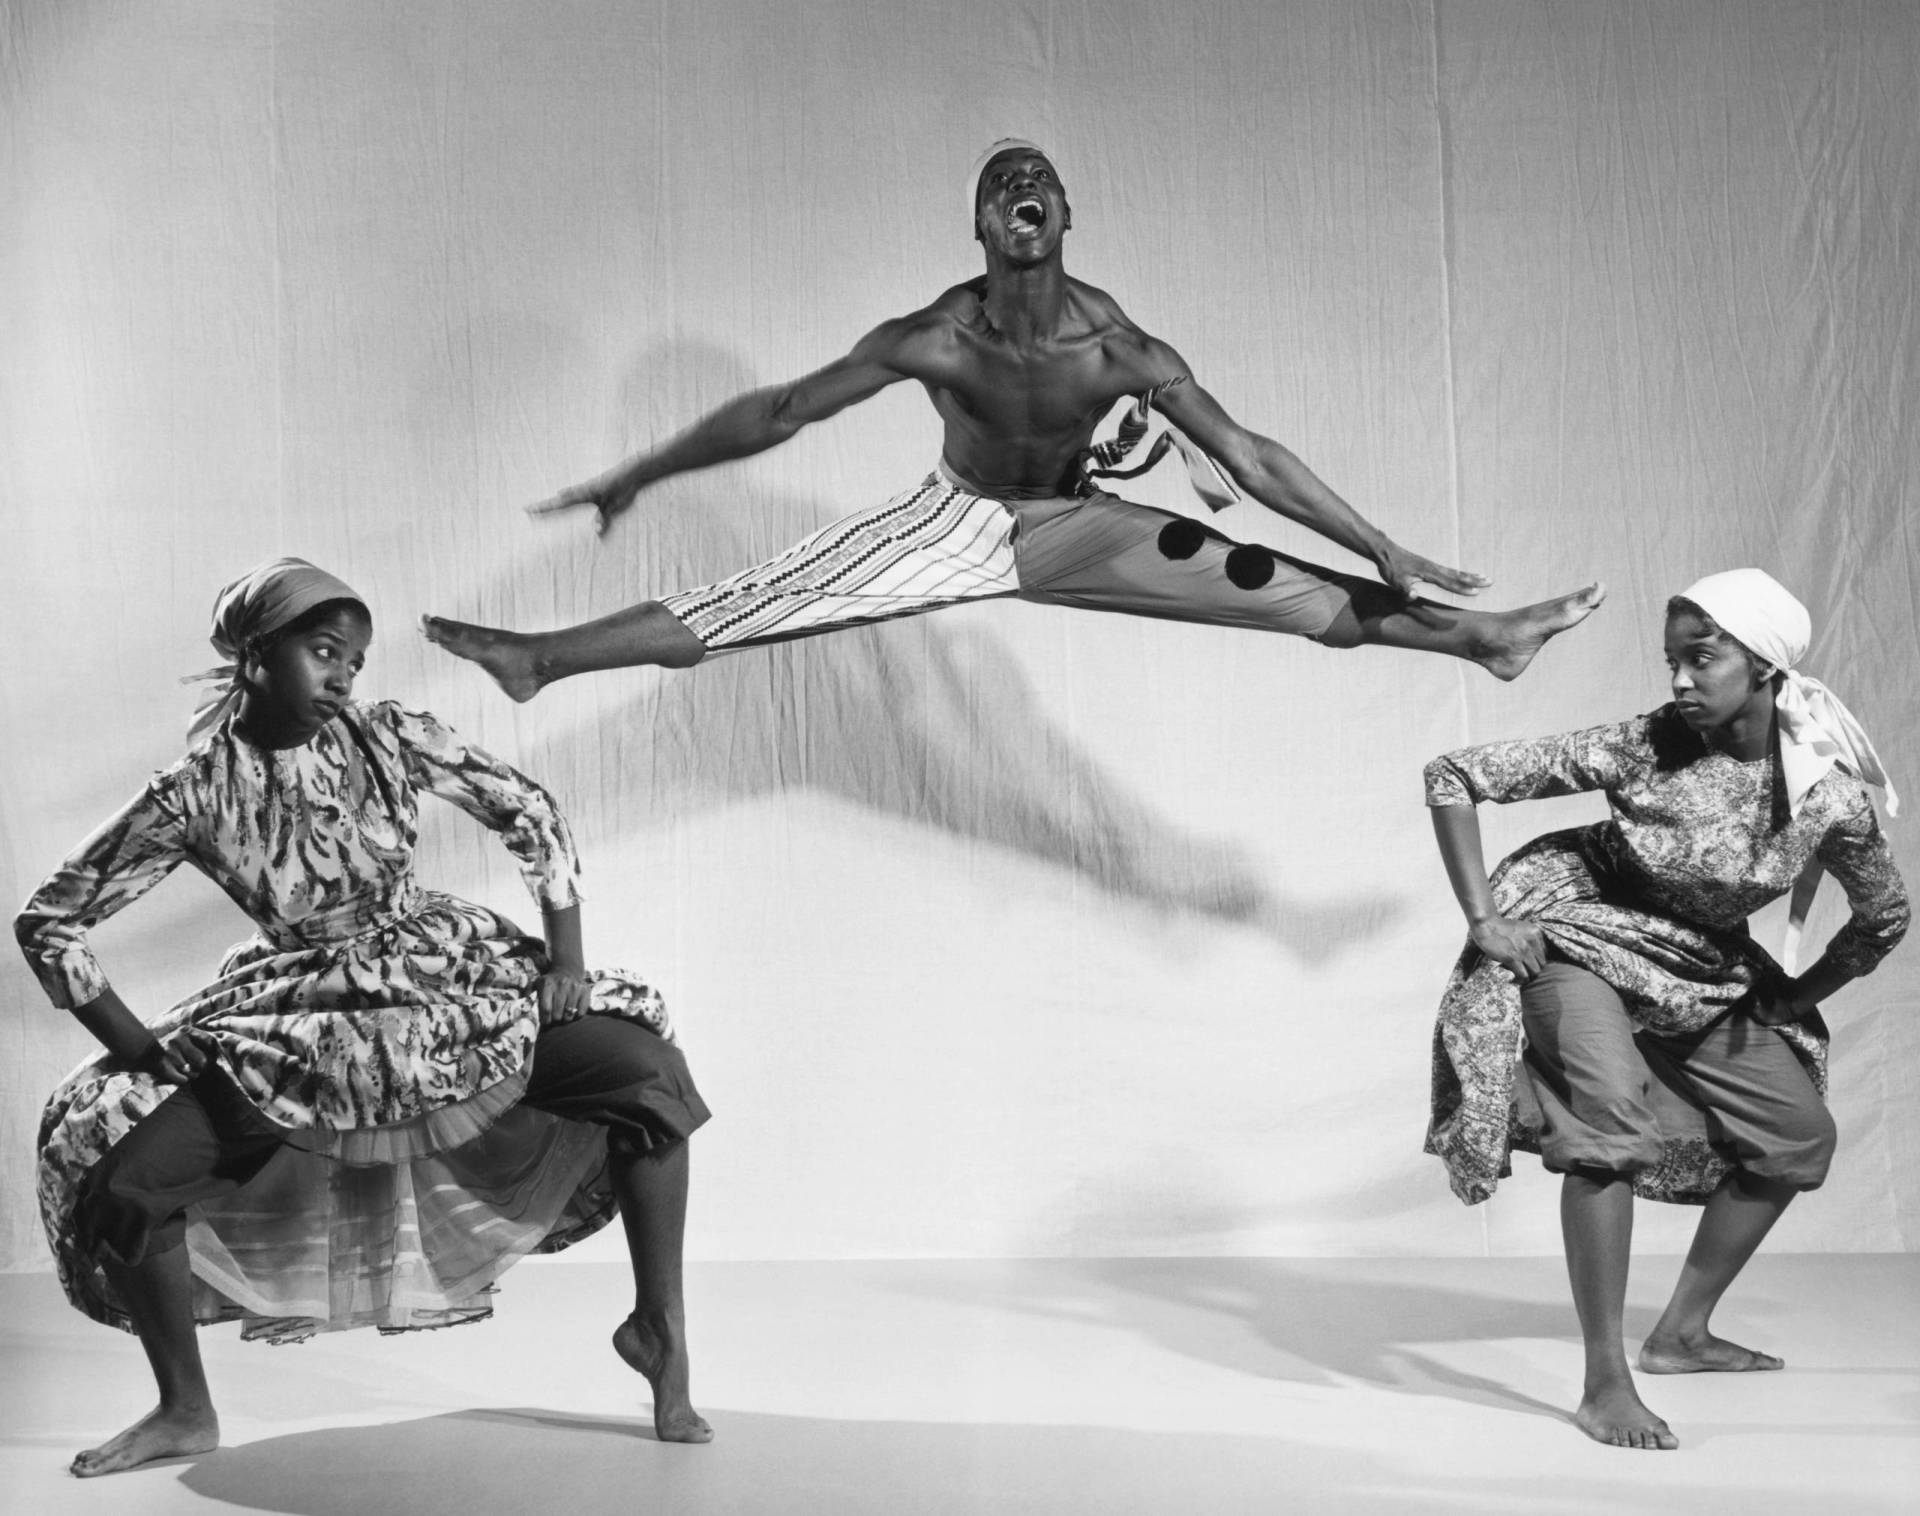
(1010, 931)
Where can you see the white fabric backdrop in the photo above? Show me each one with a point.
(1014, 930)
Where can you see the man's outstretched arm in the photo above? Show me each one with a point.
(1281, 482)
(745, 425)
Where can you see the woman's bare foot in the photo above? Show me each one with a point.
(659, 1351)
(1519, 634)
(1618, 1417)
(1707, 1354)
(510, 657)
(161, 1433)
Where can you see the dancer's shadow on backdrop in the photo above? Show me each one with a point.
(919, 720)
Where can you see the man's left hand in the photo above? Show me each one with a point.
(1405, 571)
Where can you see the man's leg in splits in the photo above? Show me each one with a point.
(1097, 553)
(1109, 554)
(524, 663)
(1501, 642)
(932, 545)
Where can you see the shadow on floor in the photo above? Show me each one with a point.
(1306, 1321)
(530, 1460)
(517, 1459)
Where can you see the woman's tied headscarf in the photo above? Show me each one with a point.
(257, 604)
(1816, 730)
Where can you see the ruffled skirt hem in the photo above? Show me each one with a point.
(313, 1244)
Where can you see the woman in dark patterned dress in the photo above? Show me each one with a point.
(1666, 1054)
(388, 1095)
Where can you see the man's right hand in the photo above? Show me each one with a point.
(609, 496)
(1519, 947)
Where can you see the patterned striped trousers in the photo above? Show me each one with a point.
(941, 543)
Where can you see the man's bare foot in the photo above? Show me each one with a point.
(1708, 1355)
(1519, 634)
(161, 1433)
(1617, 1416)
(508, 656)
(659, 1351)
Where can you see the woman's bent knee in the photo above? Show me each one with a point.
(117, 1222)
(1801, 1158)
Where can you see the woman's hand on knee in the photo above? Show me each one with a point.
(131, 1044)
(177, 1060)
(564, 994)
(1520, 947)
(1777, 1000)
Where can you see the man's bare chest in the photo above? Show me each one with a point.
(1058, 388)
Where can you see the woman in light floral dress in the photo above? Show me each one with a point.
(1666, 1054)
(387, 1095)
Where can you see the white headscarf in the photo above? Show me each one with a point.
(267, 597)
(1004, 145)
(1816, 730)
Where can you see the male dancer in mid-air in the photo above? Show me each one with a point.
(1021, 365)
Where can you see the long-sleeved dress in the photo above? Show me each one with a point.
(385, 1028)
(1655, 901)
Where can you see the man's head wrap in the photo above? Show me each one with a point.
(1816, 730)
(1004, 145)
(266, 598)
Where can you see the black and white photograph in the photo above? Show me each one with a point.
(885, 758)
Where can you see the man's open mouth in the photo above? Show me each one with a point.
(1027, 215)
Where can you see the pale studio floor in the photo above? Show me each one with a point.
(1188, 1385)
